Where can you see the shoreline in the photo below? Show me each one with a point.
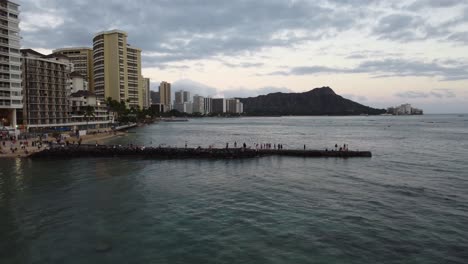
(101, 138)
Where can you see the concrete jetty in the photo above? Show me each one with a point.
(75, 151)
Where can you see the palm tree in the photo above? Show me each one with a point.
(88, 112)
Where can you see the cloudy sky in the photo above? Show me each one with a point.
(379, 53)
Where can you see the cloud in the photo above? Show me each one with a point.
(388, 68)
(245, 92)
(443, 93)
(412, 94)
(183, 30)
(354, 97)
(243, 64)
(205, 90)
(435, 93)
(194, 87)
(420, 4)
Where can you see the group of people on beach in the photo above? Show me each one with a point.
(24, 145)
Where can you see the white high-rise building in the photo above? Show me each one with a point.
(207, 104)
(234, 106)
(199, 104)
(182, 102)
(11, 98)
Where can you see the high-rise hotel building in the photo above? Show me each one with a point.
(117, 68)
(165, 96)
(82, 59)
(10, 65)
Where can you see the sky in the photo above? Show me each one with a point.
(378, 53)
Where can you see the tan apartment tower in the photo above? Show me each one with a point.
(11, 98)
(82, 59)
(117, 68)
(165, 96)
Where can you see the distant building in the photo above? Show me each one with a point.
(82, 59)
(11, 98)
(165, 96)
(181, 97)
(157, 107)
(46, 87)
(146, 92)
(404, 109)
(234, 106)
(207, 105)
(198, 104)
(184, 107)
(218, 105)
(182, 102)
(155, 97)
(117, 68)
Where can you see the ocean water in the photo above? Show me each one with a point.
(406, 204)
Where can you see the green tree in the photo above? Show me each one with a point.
(89, 111)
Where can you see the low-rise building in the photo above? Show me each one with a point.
(404, 109)
(100, 117)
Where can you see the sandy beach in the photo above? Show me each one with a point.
(5, 151)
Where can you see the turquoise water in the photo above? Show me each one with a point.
(406, 204)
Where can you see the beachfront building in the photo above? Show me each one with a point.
(45, 88)
(198, 104)
(165, 96)
(82, 59)
(404, 109)
(117, 68)
(11, 98)
(218, 105)
(78, 103)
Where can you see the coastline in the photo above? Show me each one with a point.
(100, 138)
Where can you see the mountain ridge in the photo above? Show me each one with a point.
(318, 101)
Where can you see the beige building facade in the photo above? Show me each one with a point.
(165, 96)
(82, 59)
(117, 68)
